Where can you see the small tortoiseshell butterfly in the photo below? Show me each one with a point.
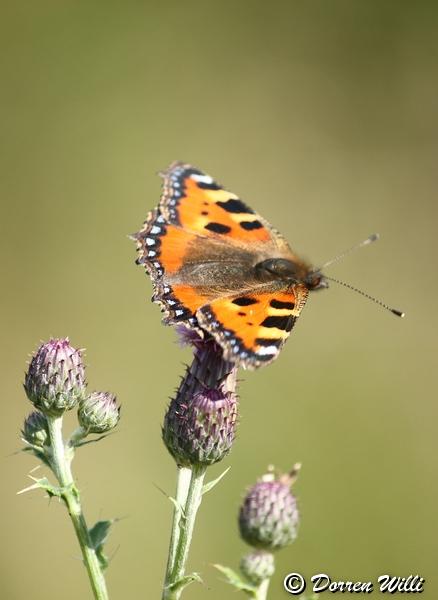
(217, 266)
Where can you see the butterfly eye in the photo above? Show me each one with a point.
(316, 281)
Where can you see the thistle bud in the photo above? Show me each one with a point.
(201, 430)
(99, 412)
(268, 517)
(257, 566)
(55, 380)
(35, 431)
(200, 423)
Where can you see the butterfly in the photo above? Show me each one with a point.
(220, 268)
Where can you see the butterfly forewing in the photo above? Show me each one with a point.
(194, 201)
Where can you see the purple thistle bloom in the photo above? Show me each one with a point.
(55, 380)
(200, 423)
(269, 517)
(99, 412)
(202, 430)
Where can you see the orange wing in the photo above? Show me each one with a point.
(194, 201)
(196, 224)
(253, 327)
(162, 249)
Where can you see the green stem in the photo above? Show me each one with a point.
(60, 463)
(182, 489)
(186, 522)
(262, 591)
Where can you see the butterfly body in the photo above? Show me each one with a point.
(219, 268)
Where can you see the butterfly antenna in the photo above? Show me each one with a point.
(370, 239)
(399, 313)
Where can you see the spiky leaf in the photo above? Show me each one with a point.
(211, 484)
(185, 581)
(237, 581)
(98, 536)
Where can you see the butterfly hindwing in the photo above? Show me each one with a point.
(252, 327)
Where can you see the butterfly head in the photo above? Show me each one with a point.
(315, 280)
(274, 269)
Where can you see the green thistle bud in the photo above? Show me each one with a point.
(35, 431)
(268, 517)
(257, 566)
(99, 412)
(55, 380)
(201, 431)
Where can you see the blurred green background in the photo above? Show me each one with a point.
(321, 115)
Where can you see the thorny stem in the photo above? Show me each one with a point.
(185, 523)
(61, 466)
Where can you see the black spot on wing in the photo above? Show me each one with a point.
(208, 186)
(218, 227)
(284, 323)
(279, 304)
(244, 301)
(188, 172)
(268, 342)
(250, 225)
(235, 206)
(291, 323)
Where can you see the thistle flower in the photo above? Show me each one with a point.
(257, 566)
(54, 383)
(200, 423)
(35, 430)
(99, 412)
(55, 380)
(269, 517)
(201, 431)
